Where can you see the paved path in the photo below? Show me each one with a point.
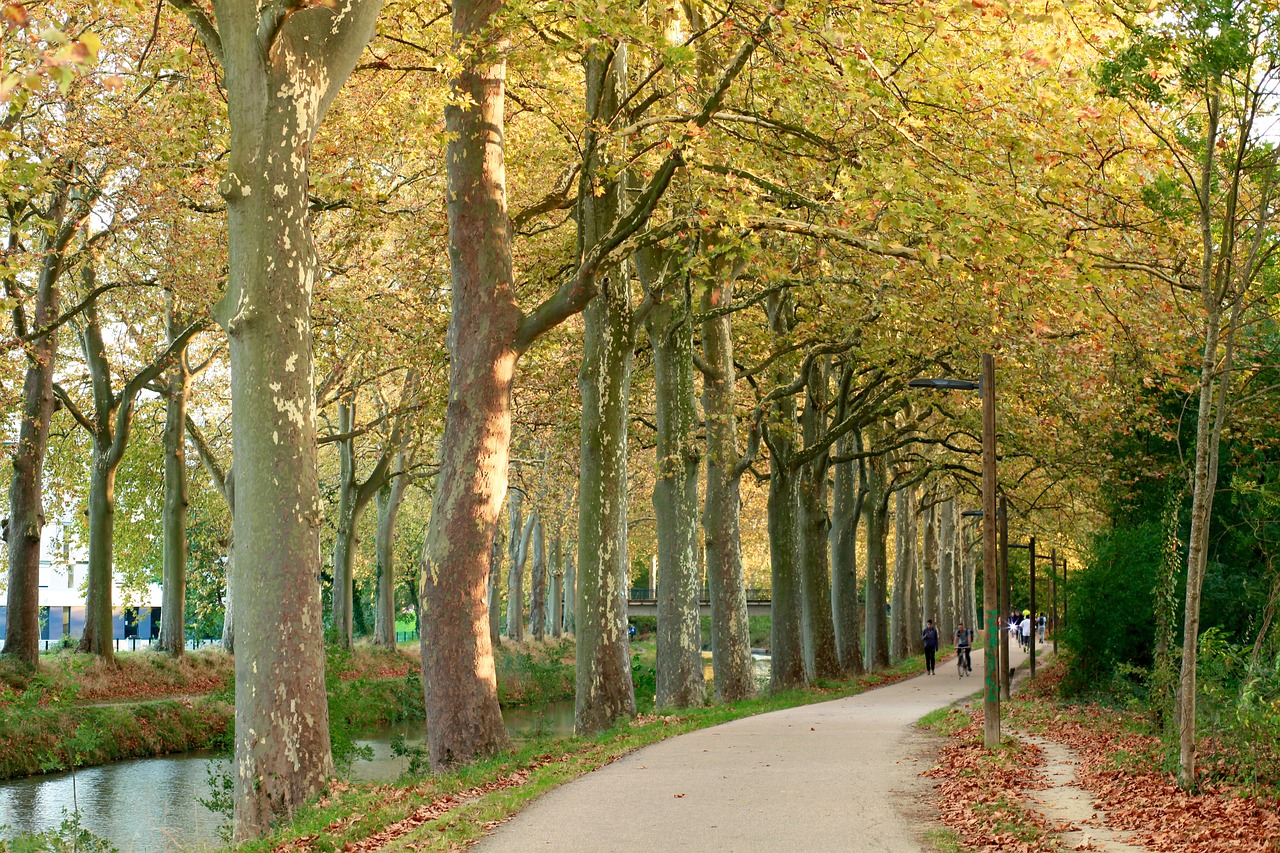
(832, 776)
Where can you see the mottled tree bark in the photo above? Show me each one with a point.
(604, 691)
(929, 565)
(389, 499)
(818, 627)
(726, 580)
(946, 545)
(538, 582)
(555, 613)
(283, 66)
(173, 635)
(680, 682)
(493, 588)
(788, 670)
(517, 547)
(846, 507)
(876, 510)
(463, 717)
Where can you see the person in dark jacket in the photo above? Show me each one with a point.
(930, 637)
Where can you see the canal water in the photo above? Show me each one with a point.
(152, 805)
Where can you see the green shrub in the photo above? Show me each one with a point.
(1111, 620)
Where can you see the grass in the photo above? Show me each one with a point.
(944, 721)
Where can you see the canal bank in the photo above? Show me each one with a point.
(155, 805)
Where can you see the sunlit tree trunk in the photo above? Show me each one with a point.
(463, 717)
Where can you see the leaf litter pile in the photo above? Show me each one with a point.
(981, 794)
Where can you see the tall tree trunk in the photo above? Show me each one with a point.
(463, 717)
(946, 556)
(281, 72)
(787, 640)
(390, 497)
(538, 582)
(109, 424)
(604, 689)
(900, 599)
(726, 580)
(26, 488)
(345, 539)
(98, 625)
(929, 565)
(493, 589)
(1214, 392)
(228, 610)
(876, 510)
(516, 549)
(821, 660)
(915, 625)
(680, 682)
(555, 613)
(173, 610)
(788, 670)
(846, 507)
(570, 591)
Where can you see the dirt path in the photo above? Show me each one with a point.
(1066, 802)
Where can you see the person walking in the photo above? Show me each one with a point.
(930, 637)
(1024, 629)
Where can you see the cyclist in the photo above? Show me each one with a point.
(963, 638)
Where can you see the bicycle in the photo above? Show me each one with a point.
(963, 665)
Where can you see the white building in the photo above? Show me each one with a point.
(64, 574)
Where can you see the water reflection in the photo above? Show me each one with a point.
(151, 805)
(145, 805)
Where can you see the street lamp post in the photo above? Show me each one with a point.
(986, 386)
(1031, 548)
(1005, 595)
(1053, 613)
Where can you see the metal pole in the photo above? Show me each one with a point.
(1005, 596)
(1066, 588)
(1053, 621)
(1031, 549)
(990, 589)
